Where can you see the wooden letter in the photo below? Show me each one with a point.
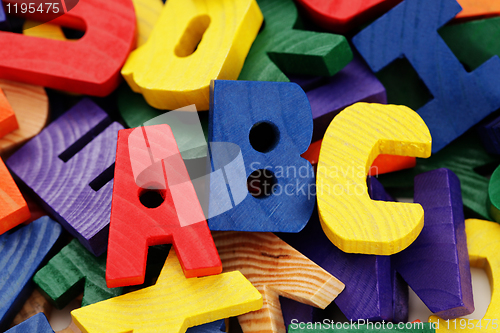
(35, 304)
(179, 219)
(279, 47)
(350, 219)
(483, 245)
(224, 30)
(36, 324)
(477, 9)
(355, 83)
(464, 156)
(271, 122)
(341, 16)
(275, 269)
(445, 283)
(74, 268)
(13, 207)
(22, 252)
(59, 166)
(90, 65)
(8, 121)
(31, 106)
(173, 304)
(461, 99)
(366, 277)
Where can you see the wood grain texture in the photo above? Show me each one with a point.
(274, 268)
(147, 13)
(36, 324)
(178, 220)
(8, 120)
(173, 304)
(282, 47)
(368, 292)
(31, 106)
(350, 219)
(90, 65)
(13, 208)
(400, 293)
(74, 268)
(166, 69)
(383, 163)
(65, 190)
(354, 83)
(237, 106)
(341, 16)
(35, 304)
(445, 283)
(364, 328)
(463, 157)
(483, 245)
(477, 9)
(22, 252)
(461, 99)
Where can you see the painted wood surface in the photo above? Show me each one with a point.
(22, 252)
(36, 324)
(461, 99)
(350, 219)
(490, 136)
(400, 293)
(368, 292)
(228, 30)
(483, 245)
(13, 208)
(8, 120)
(274, 268)
(35, 304)
(31, 106)
(465, 157)
(473, 42)
(44, 30)
(91, 65)
(341, 16)
(178, 219)
(83, 211)
(173, 304)
(147, 12)
(72, 270)
(477, 9)
(283, 110)
(213, 327)
(281, 47)
(445, 283)
(354, 83)
(383, 163)
(136, 112)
